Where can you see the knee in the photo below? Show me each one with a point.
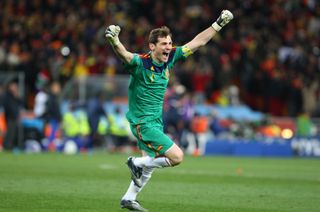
(177, 158)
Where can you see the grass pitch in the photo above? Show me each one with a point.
(96, 182)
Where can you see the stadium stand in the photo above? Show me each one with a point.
(266, 63)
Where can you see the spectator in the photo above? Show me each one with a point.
(304, 125)
(215, 124)
(40, 103)
(95, 110)
(119, 129)
(53, 113)
(199, 124)
(12, 105)
(75, 127)
(32, 32)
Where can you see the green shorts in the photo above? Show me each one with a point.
(151, 138)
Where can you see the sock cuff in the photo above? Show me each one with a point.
(168, 161)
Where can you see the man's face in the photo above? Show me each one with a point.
(161, 50)
(14, 89)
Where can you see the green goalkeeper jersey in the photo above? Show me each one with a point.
(148, 83)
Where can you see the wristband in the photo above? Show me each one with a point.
(115, 41)
(216, 27)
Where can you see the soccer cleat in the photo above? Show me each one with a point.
(136, 172)
(132, 205)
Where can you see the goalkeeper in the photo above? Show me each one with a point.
(149, 78)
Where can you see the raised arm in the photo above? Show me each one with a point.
(203, 37)
(112, 34)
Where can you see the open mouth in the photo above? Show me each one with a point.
(165, 54)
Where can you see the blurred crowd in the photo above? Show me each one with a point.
(83, 126)
(79, 127)
(269, 55)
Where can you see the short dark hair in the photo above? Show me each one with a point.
(161, 32)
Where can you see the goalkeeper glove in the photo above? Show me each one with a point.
(224, 18)
(112, 34)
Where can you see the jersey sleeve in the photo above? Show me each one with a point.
(181, 53)
(133, 64)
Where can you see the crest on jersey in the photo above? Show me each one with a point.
(152, 77)
(167, 73)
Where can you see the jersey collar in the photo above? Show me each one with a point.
(154, 62)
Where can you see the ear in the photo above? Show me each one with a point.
(152, 46)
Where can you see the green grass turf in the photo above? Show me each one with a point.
(96, 182)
